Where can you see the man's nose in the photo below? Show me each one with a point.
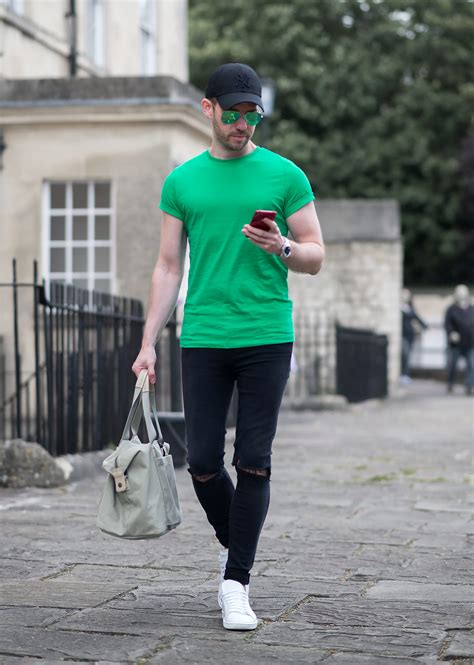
(241, 122)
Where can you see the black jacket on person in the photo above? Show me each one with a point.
(461, 320)
(409, 316)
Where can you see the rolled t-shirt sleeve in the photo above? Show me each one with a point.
(169, 200)
(299, 191)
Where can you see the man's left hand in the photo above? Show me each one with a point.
(270, 241)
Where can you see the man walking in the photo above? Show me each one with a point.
(237, 326)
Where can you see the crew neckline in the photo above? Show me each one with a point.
(234, 159)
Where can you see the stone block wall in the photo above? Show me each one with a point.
(359, 286)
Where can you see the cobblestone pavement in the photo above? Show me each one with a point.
(364, 557)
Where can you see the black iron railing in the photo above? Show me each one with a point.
(79, 347)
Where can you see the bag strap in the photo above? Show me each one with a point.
(153, 433)
(154, 413)
(139, 409)
(135, 412)
(144, 406)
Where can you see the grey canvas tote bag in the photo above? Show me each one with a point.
(140, 498)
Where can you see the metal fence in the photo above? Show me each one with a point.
(312, 367)
(362, 364)
(65, 377)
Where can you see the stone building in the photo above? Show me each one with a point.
(61, 38)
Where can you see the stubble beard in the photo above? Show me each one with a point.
(226, 142)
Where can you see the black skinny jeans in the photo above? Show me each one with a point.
(260, 372)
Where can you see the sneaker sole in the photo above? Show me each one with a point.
(239, 626)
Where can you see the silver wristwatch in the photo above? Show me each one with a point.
(285, 251)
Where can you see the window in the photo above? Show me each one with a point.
(147, 36)
(79, 233)
(95, 29)
(16, 6)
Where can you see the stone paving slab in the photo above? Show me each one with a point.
(362, 659)
(461, 645)
(365, 557)
(365, 612)
(26, 569)
(126, 575)
(408, 591)
(65, 645)
(13, 660)
(58, 593)
(415, 566)
(234, 650)
(30, 616)
(384, 641)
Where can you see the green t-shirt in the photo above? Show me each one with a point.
(237, 293)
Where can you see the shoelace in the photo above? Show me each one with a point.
(237, 601)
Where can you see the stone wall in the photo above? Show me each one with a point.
(359, 285)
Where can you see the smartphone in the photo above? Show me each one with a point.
(258, 216)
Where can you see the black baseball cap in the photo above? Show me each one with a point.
(234, 83)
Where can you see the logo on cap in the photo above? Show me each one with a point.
(242, 80)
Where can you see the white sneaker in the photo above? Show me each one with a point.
(236, 611)
(223, 556)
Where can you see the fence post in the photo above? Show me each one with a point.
(36, 294)
(17, 354)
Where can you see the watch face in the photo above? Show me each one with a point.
(287, 250)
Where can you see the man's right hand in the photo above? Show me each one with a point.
(146, 359)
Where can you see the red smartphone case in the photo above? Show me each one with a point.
(258, 216)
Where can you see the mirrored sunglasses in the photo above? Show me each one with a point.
(251, 117)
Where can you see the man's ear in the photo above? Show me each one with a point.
(206, 106)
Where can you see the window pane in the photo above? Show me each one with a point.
(80, 282)
(79, 227)
(79, 259)
(58, 228)
(57, 196)
(102, 195)
(102, 227)
(102, 259)
(57, 259)
(79, 195)
(102, 285)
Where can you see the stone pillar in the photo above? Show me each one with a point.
(359, 285)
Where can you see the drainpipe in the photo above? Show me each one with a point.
(71, 17)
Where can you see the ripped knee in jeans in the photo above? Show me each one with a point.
(263, 473)
(204, 478)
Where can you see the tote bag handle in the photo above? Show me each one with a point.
(143, 406)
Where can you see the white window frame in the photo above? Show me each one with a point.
(95, 32)
(68, 243)
(148, 37)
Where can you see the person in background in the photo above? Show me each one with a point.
(459, 326)
(412, 325)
